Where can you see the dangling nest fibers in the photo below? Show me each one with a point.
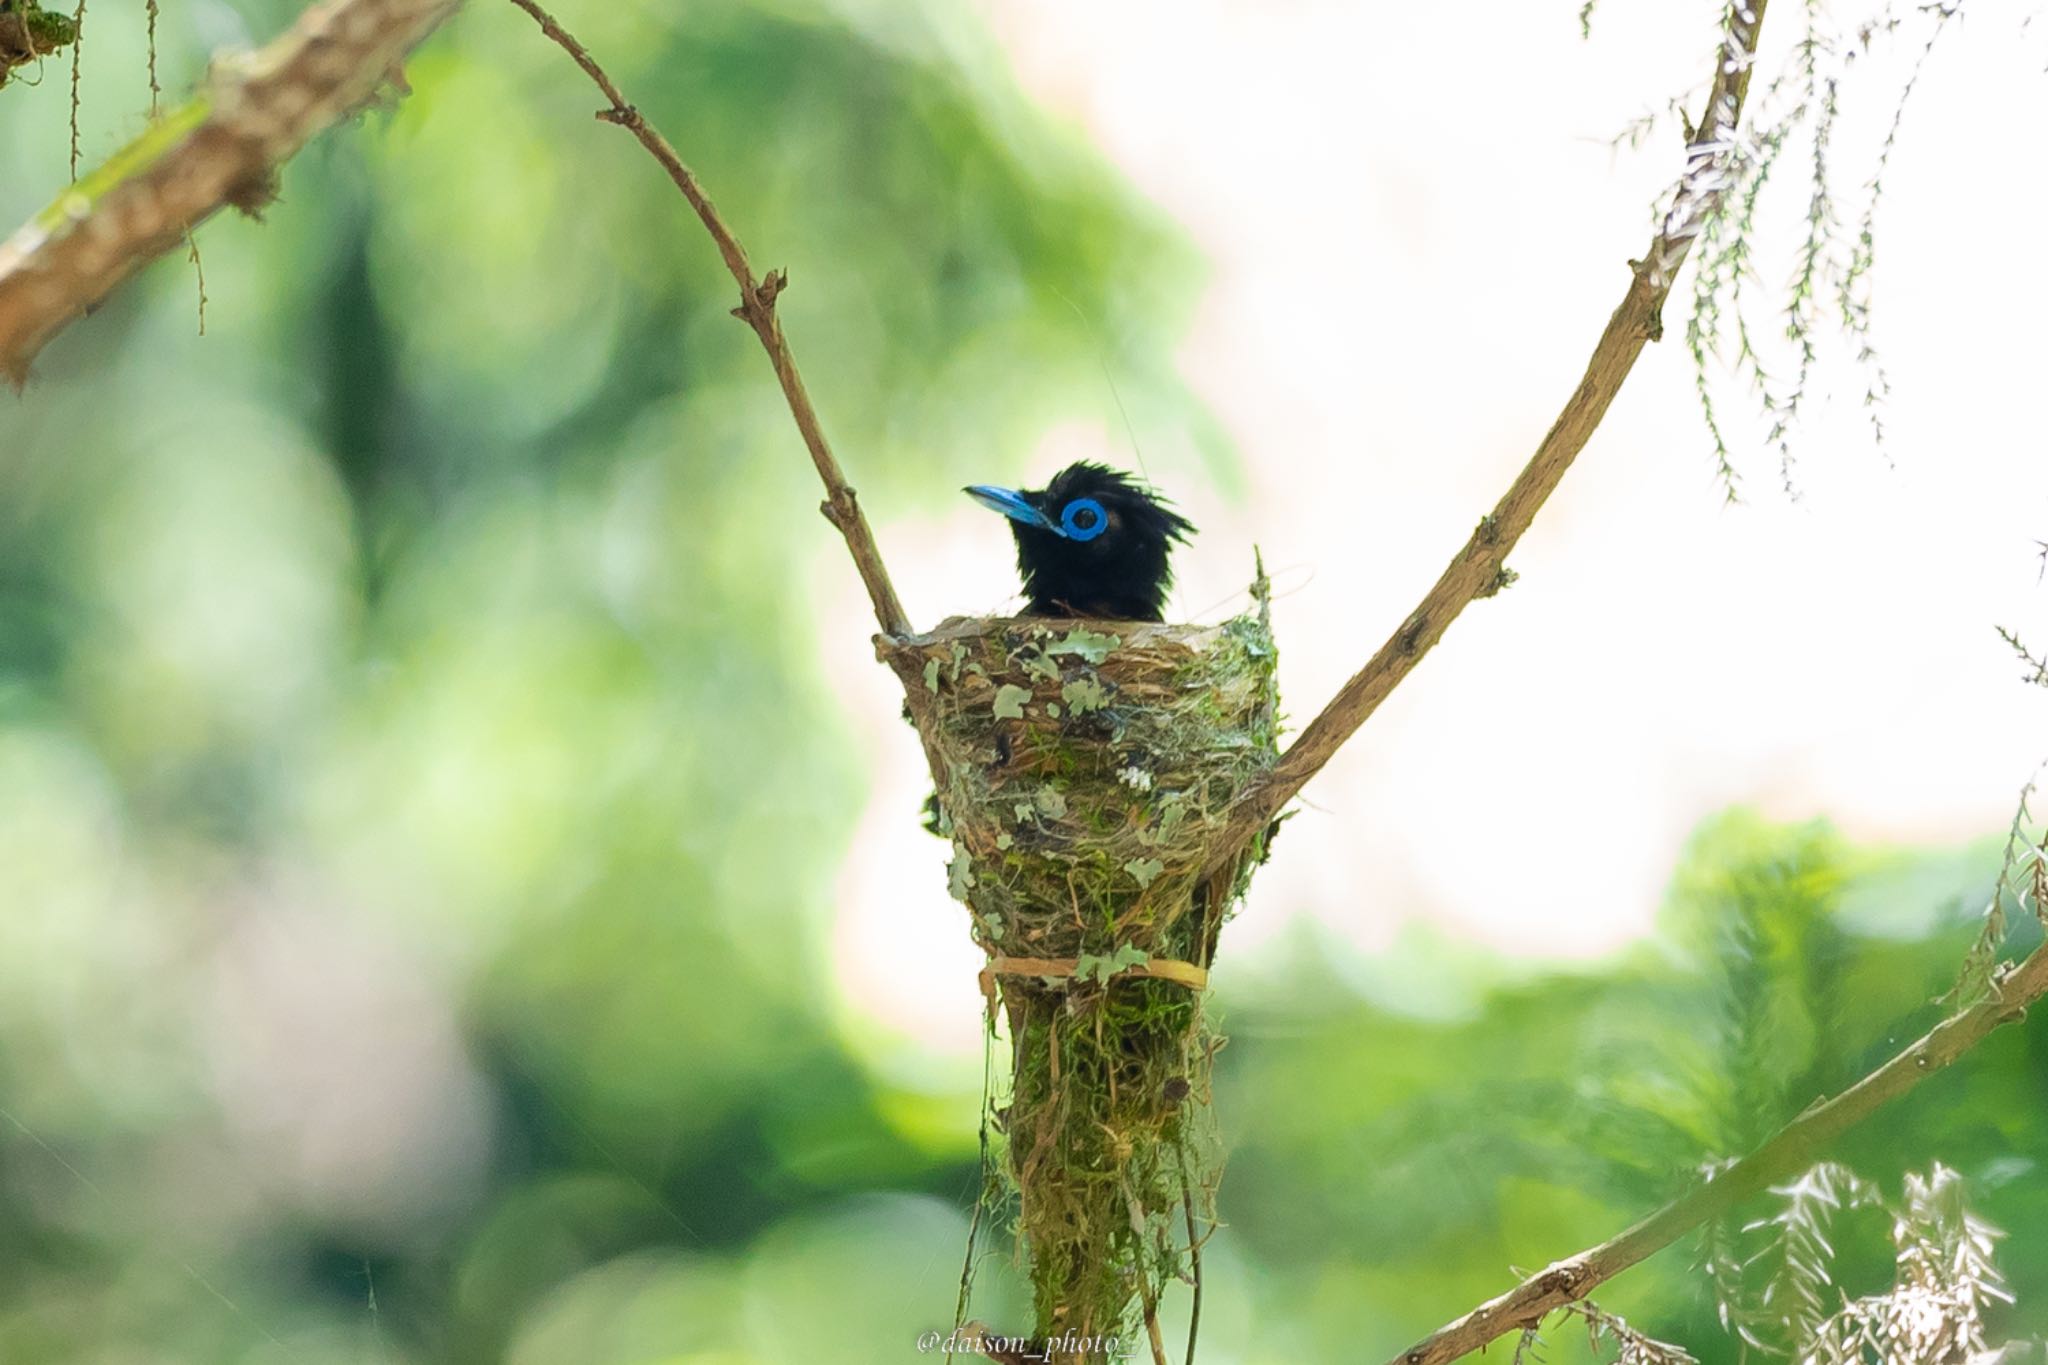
(1084, 771)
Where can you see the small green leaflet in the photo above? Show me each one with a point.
(1084, 695)
(1145, 870)
(1037, 665)
(960, 874)
(1098, 967)
(1086, 643)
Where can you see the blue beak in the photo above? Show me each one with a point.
(1011, 504)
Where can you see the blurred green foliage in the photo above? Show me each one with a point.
(420, 787)
(1555, 1111)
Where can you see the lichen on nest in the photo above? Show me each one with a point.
(1085, 769)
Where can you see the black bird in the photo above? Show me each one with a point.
(1094, 542)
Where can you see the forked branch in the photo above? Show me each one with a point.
(1479, 569)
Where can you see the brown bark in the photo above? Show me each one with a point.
(222, 149)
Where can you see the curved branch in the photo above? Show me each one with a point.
(757, 310)
(222, 148)
(1573, 1278)
(1478, 570)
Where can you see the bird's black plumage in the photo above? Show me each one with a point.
(1093, 542)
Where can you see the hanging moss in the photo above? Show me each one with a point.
(1086, 770)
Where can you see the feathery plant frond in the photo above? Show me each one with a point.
(1631, 1346)
(1640, 129)
(1756, 1091)
(1797, 1256)
(1766, 902)
(1944, 1275)
(1769, 900)
(1720, 1263)
(2022, 882)
(2037, 669)
(1944, 1280)
(1852, 291)
(1820, 96)
(1833, 262)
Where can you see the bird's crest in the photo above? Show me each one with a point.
(1093, 542)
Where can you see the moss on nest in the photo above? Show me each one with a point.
(29, 32)
(1086, 768)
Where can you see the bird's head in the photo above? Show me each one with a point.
(1093, 542)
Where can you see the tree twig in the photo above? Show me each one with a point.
(1571, 1279)
(221, 148)
(757, 310)
(1478, 570)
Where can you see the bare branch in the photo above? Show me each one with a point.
(1479, 570)
(757, 310)
(222, 148)
(1789, 1149)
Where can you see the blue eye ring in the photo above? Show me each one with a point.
(1083, 519)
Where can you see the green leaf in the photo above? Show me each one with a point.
(1038, 665)
(1084, 695)
(960, 874)
(1086, 643)
(1101, 967)
(1145, 870)
(1171, 813)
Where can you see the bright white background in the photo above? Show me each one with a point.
(1415, 229)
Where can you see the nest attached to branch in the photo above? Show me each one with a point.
(1084, 772)
(28, 33)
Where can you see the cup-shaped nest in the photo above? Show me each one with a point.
(1084, 771)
